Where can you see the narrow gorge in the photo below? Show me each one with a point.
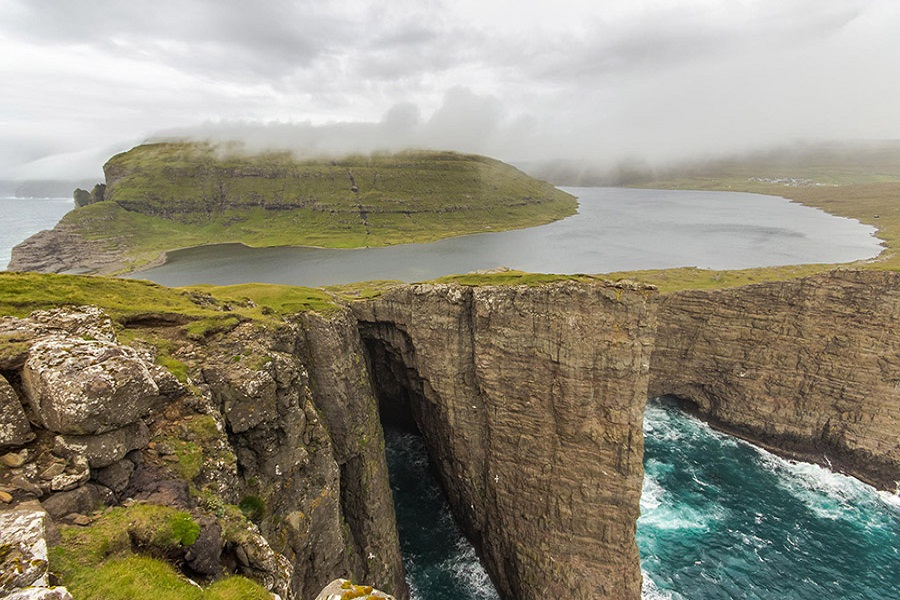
(530, 399)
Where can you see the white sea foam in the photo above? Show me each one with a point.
(828, 494)
(650, 591)
(465, 567)
(651, 494)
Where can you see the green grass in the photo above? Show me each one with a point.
(174, 195)
(153, 527)
(209, 308)
(140, 577)
(118, 558)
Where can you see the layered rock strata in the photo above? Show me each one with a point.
(810, 366)
(531, 401)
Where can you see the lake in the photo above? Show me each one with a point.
(615, 230)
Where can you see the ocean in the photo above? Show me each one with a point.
(720, 519)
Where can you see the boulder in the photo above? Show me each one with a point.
(82, 500)
(23, 560)
(116, 476)
(82, 387)
(103, 449)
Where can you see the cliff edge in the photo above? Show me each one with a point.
(531, 402)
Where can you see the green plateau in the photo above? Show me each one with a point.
(164, 196)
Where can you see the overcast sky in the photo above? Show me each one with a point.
(520, 80)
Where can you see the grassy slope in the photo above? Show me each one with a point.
(174, 195)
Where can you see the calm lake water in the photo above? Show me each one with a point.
(615, 230)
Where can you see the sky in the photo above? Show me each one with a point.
(596, 80)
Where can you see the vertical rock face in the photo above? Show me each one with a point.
(809, 365)
(346, 401)
(531, 400)
(302, 419)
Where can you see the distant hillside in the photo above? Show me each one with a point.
(831, 163)
(42, 188)
(172, 195)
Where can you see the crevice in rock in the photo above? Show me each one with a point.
(404, 409)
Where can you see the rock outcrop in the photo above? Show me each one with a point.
(64, 249)
(305, 432)
(531, 401)
(809, 365)
(273, 422)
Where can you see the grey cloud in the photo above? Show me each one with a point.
(660, 81)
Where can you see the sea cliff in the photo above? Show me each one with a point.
(237, 436)
(808, 366)
(531, 401)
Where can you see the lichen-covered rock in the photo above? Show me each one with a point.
(15, 430)
(40, 593)
(263, 564)
(74, 474)
(23, 548)
(103, 449)
(341, 588)
(86, 322)
(81, 387)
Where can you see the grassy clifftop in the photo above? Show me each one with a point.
(172, 195)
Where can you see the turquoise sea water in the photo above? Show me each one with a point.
(720, 519)
(724, 519)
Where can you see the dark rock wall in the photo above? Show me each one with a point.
(303, 421)
(531, 401)
(809, 365)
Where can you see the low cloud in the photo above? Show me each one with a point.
(602, 82)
